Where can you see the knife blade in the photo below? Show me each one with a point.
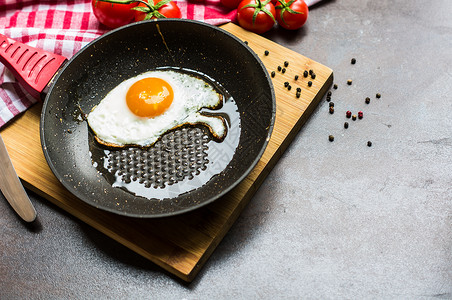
(12, 188)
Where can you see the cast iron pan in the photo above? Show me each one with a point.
(186, 168)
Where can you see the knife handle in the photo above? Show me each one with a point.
(32, 67)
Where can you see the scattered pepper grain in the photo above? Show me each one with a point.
(266, 53)
(279, 68)
(349, 82)
(354, 117)
(331, 109)
(305, 74)
(348, 114)
(369, 144)
(367, 100)
(313, 75)
(309, 83)
(331, 104)
(283, 70)
(286, 84)
(346, 125)
(353, 61)
(331, 138)
(286, 64)
(378, 95)
(360, 115)
(329, 93)
(273, 74)
(335, 86)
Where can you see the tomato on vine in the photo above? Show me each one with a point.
(113, 15)
(231, 4)
(256, 15)
(291, 15)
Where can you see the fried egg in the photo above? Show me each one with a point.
(141, 109)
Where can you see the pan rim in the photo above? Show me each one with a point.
(212, 198)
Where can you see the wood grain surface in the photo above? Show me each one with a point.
(181, 244)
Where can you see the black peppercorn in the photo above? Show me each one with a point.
(353, 61)
(246, 42)
(331, 138)
(283, 70)
(298, 94)
(289, 87)
(296, 77)
(305, 74)
(279, 68)
(354, 117)
(331, 109)
(346, 125)
(369, 144)
(298, 89)
(367, 100)
(286, 64)
(286, 84)
(329, 93)
(335, 86)
(266, 52)
(273, 73)
(349, 82)
(378, 95)
(310, 72)
(331, 104)
(313, 75)
(309, 83)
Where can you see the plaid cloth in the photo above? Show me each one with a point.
(64, 27)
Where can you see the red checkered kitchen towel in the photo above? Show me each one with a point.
(64, 27)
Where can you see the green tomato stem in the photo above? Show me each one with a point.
(258, 7)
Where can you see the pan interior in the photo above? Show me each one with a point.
(132, 50)
(183, 159)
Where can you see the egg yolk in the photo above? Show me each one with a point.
(149, 97)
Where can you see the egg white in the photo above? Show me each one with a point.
(115, 125)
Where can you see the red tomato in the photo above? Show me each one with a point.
(231, 4)
(256, 16)
(161, 9)
(291, 15)
(113, 15)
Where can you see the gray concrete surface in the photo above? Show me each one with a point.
(333, 220)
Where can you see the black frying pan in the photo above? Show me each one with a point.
(181, 172)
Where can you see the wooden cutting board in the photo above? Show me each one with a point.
(181, 244)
